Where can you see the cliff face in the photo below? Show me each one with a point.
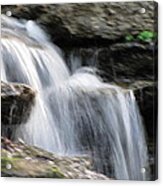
(81, 24)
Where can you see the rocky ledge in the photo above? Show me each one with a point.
(17, 101)
(128, 61)
(21, 160)
(84, 23)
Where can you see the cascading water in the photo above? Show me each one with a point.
(76, 114)
(81, 57)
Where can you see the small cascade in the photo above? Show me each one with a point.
(73, 115)
(86, 57)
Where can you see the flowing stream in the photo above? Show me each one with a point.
(73, 115)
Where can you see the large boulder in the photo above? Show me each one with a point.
(21, 160)
(17, 101)
(85, 23)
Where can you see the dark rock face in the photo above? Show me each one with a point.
(131, 65)
(132, 61)
(21, 160)
(17, 101)
(146, 94)
(121, 61)
(82, 24)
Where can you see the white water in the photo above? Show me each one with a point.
(75, 114)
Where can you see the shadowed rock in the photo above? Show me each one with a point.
(121, 61)
(17, 101)
(81, 23)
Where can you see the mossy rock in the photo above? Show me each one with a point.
(21, 160)
(18, 167)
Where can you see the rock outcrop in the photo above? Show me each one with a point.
(129, 61)
(17, 101)
(84, 24)
(146, 95)
(21, 160)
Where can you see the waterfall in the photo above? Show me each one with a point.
(73, 115)
(82, 57)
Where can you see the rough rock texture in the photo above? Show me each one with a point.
(76, 24)
(132, 61)
(125, 64)
(21, 160)
(17, 101)
(147, 97)
(121, 61)
(101, 29)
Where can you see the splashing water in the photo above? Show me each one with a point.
(76, 114)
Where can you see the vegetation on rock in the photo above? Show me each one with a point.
(144, 36)
(21, 160)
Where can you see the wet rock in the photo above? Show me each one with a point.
(128, 61)
(146, 94)
(21, 160)
(84, 24)
(17, 101)
(147, 97)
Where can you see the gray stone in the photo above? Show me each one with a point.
(128, 61)
(76, 23)
(17, 101)
(121, 61)
(21, 160)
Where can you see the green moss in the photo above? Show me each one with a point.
(51, 172)
(144, 36)
(6, 160)
(54, 172)
(129, 38)
(57, 173)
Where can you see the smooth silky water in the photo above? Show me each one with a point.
(77, 114)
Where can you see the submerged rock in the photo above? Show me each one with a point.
(17, 101)
(21, 160)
